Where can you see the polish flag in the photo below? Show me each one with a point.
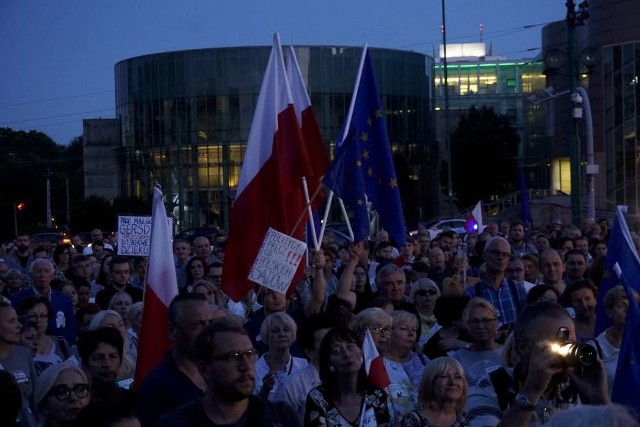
(270, 190)
(374, 364)
(473, 223)
(310, 130)
(160, 288)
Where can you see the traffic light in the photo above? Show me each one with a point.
(20, 206)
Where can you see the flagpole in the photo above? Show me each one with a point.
(346, 218)
(326, 215)
(313, 226)
(347, 122)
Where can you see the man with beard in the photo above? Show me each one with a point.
(226, 361)
(21, 258)
(542, 383)
(176, 380)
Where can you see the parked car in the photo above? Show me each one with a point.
(454, 224)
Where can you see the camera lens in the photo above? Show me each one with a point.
(586, 355)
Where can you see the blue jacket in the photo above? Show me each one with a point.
(62, 322)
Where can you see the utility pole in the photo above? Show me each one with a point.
(447, 141)
(574, 19)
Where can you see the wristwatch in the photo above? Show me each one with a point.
(523, 403)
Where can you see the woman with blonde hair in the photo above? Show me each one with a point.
(443, 396)
(424, 294)
(278, 331)
(483, 353)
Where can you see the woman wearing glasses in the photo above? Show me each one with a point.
(402, 394)
(424, 294)
(480, 318)
(345, 397)
(60, 393)
(62, 258)
(50, 349)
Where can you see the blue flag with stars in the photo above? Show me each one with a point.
(362, 169)
(623, 252)
(626, 386)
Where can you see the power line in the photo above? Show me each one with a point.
(37, 101)
(59, 115)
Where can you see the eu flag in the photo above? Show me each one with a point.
(623, 252)
(362, 169)
(626, 386)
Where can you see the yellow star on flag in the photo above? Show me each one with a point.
(370, 171)
(360, 202)
(359, 163)
(364, 136)
(369, 121)
(393, 183)
(365, 154)
(378, 114)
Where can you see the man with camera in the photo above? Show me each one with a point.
(551, 372)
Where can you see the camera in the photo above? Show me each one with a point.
(573, 354)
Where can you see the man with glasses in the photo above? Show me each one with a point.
(226, 361)
(541, 383)
(176, 380)
(120, 270)
(507, 296)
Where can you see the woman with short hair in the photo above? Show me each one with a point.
(424, 294)
(484, 353)
(60, 394)
(278, 331)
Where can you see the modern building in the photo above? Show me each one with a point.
(476, 78)
(185, 118)
(599, 50)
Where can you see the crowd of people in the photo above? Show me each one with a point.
(466, 329)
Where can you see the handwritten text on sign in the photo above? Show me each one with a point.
(134, 234)
(277, 261)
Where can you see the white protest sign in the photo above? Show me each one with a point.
(277, 261)
(134, 234)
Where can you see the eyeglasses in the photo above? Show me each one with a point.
(63, 392)
(477, 322)
(378, 329)
(497, 253)
(36, 316)
(425, 292)
(238, 356)
(197, 325)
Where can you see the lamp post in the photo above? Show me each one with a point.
(574, 19)
(447, 141)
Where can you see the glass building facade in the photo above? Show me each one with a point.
(504, 86)
(621, 68)
(185, 118)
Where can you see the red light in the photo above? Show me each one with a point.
(20, 206)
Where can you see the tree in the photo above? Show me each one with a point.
(484, 146)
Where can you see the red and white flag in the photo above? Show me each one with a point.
(473, 223)
(160, 288)
(270, 190)
(310, 130)
(374, 364)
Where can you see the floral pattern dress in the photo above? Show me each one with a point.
(322, 412)
(416, 419)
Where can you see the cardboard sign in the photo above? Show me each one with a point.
(277, 261)
(134, 234)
